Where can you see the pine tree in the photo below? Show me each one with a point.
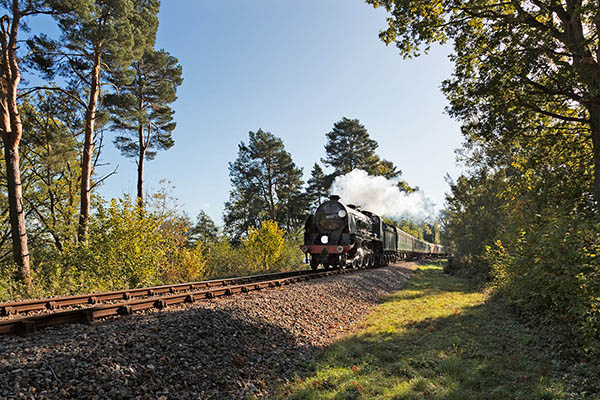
(266, 185)
(316, 188)
(387, 169)
(99, 38)
(204, 230)
(350, 147)
(140, 110)
(11, 131)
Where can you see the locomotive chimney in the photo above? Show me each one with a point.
(334, 197)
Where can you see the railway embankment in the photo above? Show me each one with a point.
(233, 347)
(443, 338)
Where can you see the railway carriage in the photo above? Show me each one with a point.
(343, 235)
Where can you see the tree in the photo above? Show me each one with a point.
(100, 38)
(141, 112)
(11, 130)
(263, 245)
(266, 185)
(526, 90)
(350, 147)
(50, 169)
(520, 68)
(316, 188)
(387, 169)
(204, 230)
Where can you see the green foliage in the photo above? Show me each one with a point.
(550, 270)
(225, 260)
(50, 167)
(532, 227)
(350, 147)
(525, 89)
(140, 109)
(266, 185)
(472, 219)
(291, 256)
(123, 249)
(520, 69)
(204, 230)
(126, 248)
(419, 229)
(265, 249)
(316, 188)
(141, 105)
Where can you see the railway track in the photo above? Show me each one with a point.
(125, 302)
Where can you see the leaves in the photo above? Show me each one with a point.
(263, 245)
(266, 185)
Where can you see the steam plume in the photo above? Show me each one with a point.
(382, 196)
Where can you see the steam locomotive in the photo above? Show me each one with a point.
(346, 236)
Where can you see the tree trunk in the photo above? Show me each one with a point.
(594, 111)
(16, 211)
(12, 130)
(140, 171)
(88, 151)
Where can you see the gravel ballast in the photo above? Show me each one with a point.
(230, 347)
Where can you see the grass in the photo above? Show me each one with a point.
(439, 338)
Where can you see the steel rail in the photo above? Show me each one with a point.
(30, 325)
(52, 303)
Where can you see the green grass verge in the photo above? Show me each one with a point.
(439, 338)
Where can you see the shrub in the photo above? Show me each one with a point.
(263, 246)
(551, 272)
(224, 260)
(265, 249)
(127, 247)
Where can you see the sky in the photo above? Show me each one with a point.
(293, 68)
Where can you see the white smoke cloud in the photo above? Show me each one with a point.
(382, 196)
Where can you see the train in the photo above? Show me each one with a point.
(343, 235)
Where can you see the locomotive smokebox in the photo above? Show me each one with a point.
(334, 197)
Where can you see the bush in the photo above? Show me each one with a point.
(127, 247)
(263, 246)
(551, 272)
(224, 260)
(265, 249)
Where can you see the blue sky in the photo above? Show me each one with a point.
(292, 68)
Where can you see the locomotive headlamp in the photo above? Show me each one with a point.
(341, 213)
(324, 239)
(304, 249)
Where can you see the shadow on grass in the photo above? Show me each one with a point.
(476, 351)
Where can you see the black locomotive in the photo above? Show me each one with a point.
(343, 235)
